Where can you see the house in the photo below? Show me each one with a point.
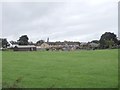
(83, 45)
(44, 45)
(25, 48)
(64, 46)
(93, 45)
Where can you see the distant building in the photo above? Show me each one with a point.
(25, 48)
(83, 45)
(47, 39)
(44, 45)
(65, 46)
(93, 45)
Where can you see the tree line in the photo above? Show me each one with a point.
(107, 40)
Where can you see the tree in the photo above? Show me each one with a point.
(108, 40)
(4, 43)
(110, 43)
(23, 40)
(13, 42)
(40, 42)
(30, 43)
(118, 42)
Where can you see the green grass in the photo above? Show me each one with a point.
(76, 69)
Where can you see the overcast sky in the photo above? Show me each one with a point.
(85, 20)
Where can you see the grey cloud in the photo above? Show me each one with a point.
(59, 20)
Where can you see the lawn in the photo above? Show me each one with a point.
(75, 69)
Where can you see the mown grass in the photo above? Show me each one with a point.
(76, 69)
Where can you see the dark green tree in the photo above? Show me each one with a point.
(4, 43)
(108, 40)
(118, 42)
(23, 40)
(40, 42)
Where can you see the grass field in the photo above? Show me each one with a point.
(76, 69)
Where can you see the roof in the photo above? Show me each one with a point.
(94, 44)
(63, 43)
(83, 43)
(25, 46)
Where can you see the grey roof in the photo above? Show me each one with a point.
(25, 46)
(83, 43)
(94, 44)
(63, 43)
